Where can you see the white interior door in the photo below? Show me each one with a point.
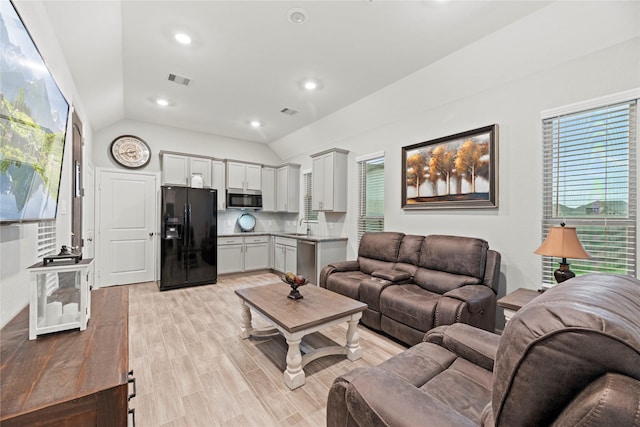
(127, 224)
(88, 210)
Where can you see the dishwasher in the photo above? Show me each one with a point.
(306, 260)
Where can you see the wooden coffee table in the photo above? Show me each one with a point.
(318, 310)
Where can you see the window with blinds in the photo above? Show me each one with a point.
(47, 246)
(46, 238)
(371, 201)
(590, 183)
(309, 214)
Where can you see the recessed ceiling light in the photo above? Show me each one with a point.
(297, 15)
(256, 124)
(183, 38)
(162, 102)
(310, 85)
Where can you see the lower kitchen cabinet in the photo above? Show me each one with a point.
(256, 253)
(285, 254)
(242, 253)
(230, 259)
(71, 378)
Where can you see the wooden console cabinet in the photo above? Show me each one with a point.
(70, 378)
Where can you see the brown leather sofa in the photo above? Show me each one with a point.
(571, 357)
(412, 284)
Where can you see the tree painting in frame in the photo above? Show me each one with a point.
(456, 171)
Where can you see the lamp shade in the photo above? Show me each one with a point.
(562, 242)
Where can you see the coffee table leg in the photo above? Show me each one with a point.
(294, 374)
(245, 327)
(354, 351)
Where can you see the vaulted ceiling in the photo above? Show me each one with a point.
(247, 60)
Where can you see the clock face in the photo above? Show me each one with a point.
(130, 151)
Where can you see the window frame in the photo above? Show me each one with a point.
(362, 218)
(309, 214)
(628, 224)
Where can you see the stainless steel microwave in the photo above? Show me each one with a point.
(244, 200)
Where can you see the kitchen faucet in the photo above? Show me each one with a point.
(308, 226)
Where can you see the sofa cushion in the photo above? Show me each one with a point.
(409, 252)
(369, 265)
(440, 281)
(383, 246)
(409, 304)
(454, 254)
(346, 283)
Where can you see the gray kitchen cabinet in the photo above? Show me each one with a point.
(230, 251)
(256, 253)
(243, 253)
(268, 189)
(288, 188)
(329, 174)
(244, 176)
(285, 254)
(218, 182)
(177, 169)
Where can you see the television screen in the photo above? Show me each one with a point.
(33, 123)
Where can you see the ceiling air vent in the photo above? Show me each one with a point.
(179, 79)
(288, 111)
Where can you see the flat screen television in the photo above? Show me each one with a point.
(33, 125)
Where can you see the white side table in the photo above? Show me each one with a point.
(60, 296)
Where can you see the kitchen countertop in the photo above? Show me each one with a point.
(311, 237)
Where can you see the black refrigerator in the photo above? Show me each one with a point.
(188, 253)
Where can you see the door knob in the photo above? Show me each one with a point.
(90, 239)
(151, 234)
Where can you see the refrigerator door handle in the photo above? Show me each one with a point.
(185, 226)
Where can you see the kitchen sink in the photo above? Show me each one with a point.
(296, 234)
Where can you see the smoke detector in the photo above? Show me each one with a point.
(289, 111)
(297, 15)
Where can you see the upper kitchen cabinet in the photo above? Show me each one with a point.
(268, 189)
(178, 169)
(288, 188)
(218, 183)
(329, 174)
(244, 176)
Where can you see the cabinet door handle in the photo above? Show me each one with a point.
(132, 380)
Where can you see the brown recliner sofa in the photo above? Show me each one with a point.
(571, 357)
(412, 284)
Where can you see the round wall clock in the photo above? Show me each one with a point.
(130, 151)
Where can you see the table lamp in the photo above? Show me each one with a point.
(562, 242)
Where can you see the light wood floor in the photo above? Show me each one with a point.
(193, 369)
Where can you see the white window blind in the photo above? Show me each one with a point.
(590, 179)
(371, 201)
(309, 214)
(47, 246)
(46, 238)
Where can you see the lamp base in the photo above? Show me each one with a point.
(563, 273)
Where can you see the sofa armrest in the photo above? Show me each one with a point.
(476, 345)
(471, 304)
(393, 276)
(474, 295)
(336, 267)
(345, 265)
(375, 397)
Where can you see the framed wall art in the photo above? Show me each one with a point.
(456, 171)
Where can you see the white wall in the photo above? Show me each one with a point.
(173, 139)
(565, 53)
(18, 242)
